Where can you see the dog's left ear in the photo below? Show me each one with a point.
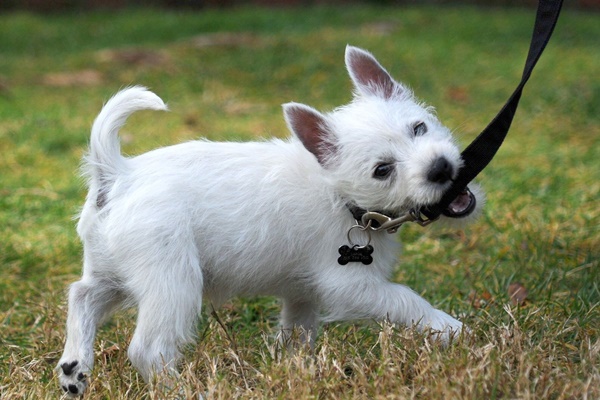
(310, 127)
(368, 76)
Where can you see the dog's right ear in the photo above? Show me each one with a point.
(310, 127)
(368, 76)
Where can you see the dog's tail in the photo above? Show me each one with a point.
(104, 162)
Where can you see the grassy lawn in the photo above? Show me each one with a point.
(224, 74)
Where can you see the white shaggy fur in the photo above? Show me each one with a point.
(163, 230)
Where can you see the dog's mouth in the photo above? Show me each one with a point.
(462, 206)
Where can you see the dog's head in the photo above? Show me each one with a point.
(384, 151)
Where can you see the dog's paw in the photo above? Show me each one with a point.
(73, 379)
(444, 328)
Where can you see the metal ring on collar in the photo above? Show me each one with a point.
(363, 229)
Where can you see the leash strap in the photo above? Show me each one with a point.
(481, 151)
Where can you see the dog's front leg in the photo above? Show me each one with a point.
(398, 303)
(407, 307)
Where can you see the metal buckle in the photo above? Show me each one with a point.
(391, 225)
(420, 218)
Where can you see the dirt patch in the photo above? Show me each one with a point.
(86, 77)
(224, 39)
(134, 56)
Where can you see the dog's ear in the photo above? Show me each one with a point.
(368, 76)
(310, 127)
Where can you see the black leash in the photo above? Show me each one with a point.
(481, 151)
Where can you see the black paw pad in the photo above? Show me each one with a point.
(69, 367)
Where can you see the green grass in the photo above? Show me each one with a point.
(541, 225)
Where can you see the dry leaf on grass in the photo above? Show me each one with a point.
(480, 300)
(517, 293)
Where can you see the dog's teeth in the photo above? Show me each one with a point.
(459, 204)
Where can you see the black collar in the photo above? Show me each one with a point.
(358, 212)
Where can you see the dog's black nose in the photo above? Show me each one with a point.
(441, 171)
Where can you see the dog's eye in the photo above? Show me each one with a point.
(420, 129)
(382, 171)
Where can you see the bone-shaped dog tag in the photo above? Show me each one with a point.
(355, 253)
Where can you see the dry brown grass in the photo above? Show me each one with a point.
(507, 357)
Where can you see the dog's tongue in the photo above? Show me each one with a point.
(462, 205)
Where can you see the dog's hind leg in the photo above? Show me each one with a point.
(168, 309)
(91, 301)
(300, 316)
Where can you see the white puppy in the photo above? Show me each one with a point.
(163, 230)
